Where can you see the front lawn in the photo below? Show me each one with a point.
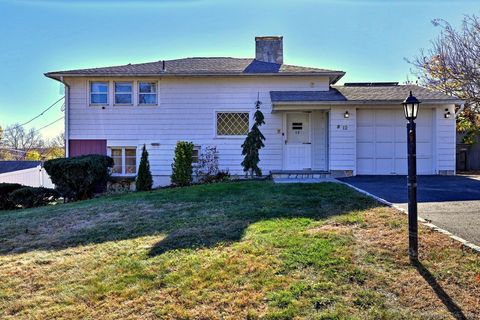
(230, 251)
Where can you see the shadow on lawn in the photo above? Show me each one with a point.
(454, 309)
(191, 217)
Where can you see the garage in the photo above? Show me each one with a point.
(382, 142)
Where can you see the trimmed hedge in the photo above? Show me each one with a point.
(78, 177)
(182, 164)
(30, 197)
(5, 190)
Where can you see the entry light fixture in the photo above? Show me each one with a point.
(447, 114)
(346, 115)
(410, 107)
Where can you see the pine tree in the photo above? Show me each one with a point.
(144, 178)
(253, 143)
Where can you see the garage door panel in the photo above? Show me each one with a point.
(364, 166)
(365, 150)
(365, 134)
(382, 142)
(383, 150)
(383, 134)
(400, 166)
(383, 118)
(383, 166)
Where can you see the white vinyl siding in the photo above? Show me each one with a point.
(188, 114)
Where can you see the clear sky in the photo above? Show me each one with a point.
(368, 39)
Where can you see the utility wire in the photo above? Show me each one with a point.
(41, 114)
(48, 125)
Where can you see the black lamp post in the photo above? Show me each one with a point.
(410, 107)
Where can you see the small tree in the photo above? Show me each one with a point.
(144, 178)
(253, 143)
(182, 164)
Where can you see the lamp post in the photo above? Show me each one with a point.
(410, 107)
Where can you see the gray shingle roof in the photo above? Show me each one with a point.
(363, 94)
(11, 166)
(198, 66)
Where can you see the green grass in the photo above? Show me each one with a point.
(225, 251)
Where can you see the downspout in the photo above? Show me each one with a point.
(462, 106)
(67, 108)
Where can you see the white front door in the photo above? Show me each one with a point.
(298, 147)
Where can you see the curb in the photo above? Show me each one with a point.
(430, 225)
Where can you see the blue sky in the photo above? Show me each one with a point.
(368, 39)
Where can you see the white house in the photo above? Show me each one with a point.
(311, 126)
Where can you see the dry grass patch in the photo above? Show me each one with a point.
(250, 250)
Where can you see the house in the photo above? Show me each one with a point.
(312, 125)
(27, 173)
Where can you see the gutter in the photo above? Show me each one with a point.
(462, 106)
(362, 102)
(59, 75)
(67, 108)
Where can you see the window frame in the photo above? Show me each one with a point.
(199, 150)
(139, 93)
(132, 93)
(90, 92)
(124, 157)
(215, 126)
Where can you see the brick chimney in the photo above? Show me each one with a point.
(269, 49)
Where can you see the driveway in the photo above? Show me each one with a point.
(450, 202)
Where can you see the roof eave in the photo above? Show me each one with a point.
(335, 75)
(367, 102)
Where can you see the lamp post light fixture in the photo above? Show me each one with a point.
(410, 107)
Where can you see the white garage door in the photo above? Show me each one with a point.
(382, 142)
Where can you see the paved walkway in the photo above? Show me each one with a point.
(450, 202)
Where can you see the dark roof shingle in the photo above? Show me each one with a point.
(364, 94)
(11, 166)
(198, 66)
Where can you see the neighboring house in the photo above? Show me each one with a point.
(311, 125)
(27, 173)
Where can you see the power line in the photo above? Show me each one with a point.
(48, 125)
(41, 114)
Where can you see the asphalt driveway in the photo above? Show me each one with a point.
(450, 202)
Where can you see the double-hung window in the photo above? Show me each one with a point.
(123, 93)
(147, 93)
(232, 123)
(124, 161)
(98, 93)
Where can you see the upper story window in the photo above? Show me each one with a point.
(147, 93)
(232, 123)
(98, 92)
(124, 161)
(123, 93)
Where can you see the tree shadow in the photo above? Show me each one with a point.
(193, 217)
(452, 307)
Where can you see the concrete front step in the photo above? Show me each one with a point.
(300, 174)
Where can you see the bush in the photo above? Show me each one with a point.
(207, 167)
(182, 164)
(219, 177)
(77, 178)
(144, 178)
(5, 190)
(30, 197)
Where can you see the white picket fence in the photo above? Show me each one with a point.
(33, 177)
